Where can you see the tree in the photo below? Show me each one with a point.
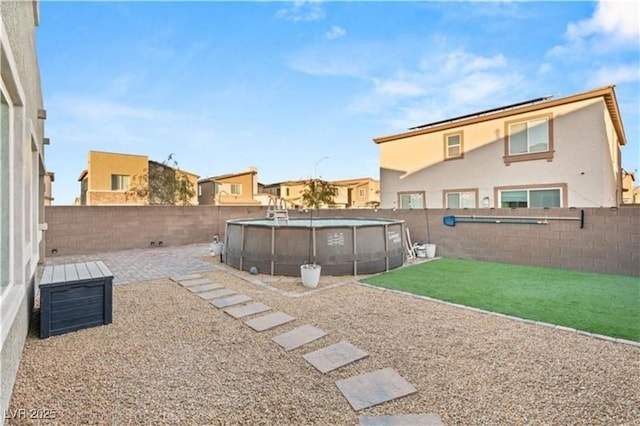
(318, 192)
(163, 184)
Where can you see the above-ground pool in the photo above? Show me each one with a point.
(342, 246)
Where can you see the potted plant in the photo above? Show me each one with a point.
(316, 193)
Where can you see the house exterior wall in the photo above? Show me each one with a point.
(101, 165)
(585, 160)
(609, 242)
(247, 182)
(22, 171)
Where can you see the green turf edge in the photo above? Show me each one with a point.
(592, 302)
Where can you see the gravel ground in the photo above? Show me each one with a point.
(170, 357)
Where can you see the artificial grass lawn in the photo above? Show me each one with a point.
(593, 302)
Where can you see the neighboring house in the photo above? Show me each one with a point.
(49, 178)
(290, 191)
(358, 193)
(541, 153)
(233, 189)
(629, 191)
(352, 193)
(109, 176)
(156, 169)
(22, 172)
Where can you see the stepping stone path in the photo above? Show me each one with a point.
(407, 419)
(185, 277)
(230, 301)
(298, 337)
(207, 295)
(205, 287)
(367, 390)
(246, 310)
(268, 321)
(363, 391)
(334, 356)
(195, 282)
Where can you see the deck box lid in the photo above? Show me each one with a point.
(75, 272)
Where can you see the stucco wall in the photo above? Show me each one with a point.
(24, 192)
(609, 242)
(582, 160)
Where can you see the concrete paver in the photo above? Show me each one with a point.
(334, 356)
(402, 420)
(246, 310)
(213, 294)
(205, 287)
(299, 336)
(269, 321)
(231, 301)
(376, 387)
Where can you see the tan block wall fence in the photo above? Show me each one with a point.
(609, 242)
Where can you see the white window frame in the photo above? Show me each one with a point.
(363, 192)
(123, 185)
(15, 274)
(235, 188)
(528, 127)
(417, 196)
(459, 145)
(460, 198)
(528, 191)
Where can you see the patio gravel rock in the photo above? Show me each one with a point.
(169, 357)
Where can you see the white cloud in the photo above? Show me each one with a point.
(615, 75)
(618, 19)
(93, 109)
(614, 25)
(335, 32)
(302, 11)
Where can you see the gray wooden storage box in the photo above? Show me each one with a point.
(74, 296)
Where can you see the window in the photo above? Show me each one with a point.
(460, 199)
(530, 139)
(5, 119)
(411, 200)
(287, 192)
(200, 190)
(236, 189)
(453, 146)
(362, 192)
(119, 182)
(547, 197)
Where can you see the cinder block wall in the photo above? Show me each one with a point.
(609, 241)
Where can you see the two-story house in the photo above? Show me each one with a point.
(358, 193)
(232, 189)
(109, 176)
(540, 153)
(22, 172)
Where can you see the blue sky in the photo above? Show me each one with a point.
(281, 85)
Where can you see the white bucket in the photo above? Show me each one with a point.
(431, 251)
(216, 248)
(420, 250)
(310, 275)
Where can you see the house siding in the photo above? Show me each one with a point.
(581, 139)
(24, 196)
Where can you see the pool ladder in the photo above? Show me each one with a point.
(277, 211)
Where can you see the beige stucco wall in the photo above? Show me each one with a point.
(101, 165)
(21, 79)
(608, 241)
(584, 160)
